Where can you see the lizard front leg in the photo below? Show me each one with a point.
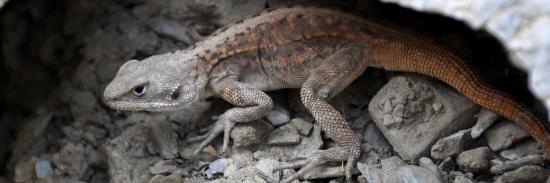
(251, 104)
(336, 72)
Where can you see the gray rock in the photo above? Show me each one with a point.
(163, 167)
(474, 160)
(176, 177)
(521, 149)
(218, 167)
(462, 179)
(164, 138)
(247, 174)
(513, 164)
(485, 118)
(372, 173)
(251, 133)
(520, 25)
(427, 163)
(265, 167)
(410, 173)
(528, 173)
(452, 145)
(284, 135)
(241, 157)
(74, 159)
(323, 172)
(206, 154)
(127, 158)
(285, 153)
(278, 117)
(304, 127)
(174, 30)
(504, 134)
(376, 141)
(43, 169)
(404, 111)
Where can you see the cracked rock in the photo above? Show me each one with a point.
(404, 111)
(528, 173)
(504, 134)
(452, 145)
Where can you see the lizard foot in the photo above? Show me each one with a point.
(221, 125)
(317, 158)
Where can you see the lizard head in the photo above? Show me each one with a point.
(165, 82)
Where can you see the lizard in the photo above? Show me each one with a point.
(317, 50)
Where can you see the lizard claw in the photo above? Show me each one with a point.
(318, 158)
(221, 125)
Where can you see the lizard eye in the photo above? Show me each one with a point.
(140, 90)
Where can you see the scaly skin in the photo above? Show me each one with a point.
(320, 51)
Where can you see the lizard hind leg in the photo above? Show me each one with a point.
(336, 73)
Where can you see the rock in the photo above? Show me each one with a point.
(474, 160)
(323, 172)
(251, 133)
(265, 167)
(485, 118)
(24, 170)
(528, 173)
(521, 28)
(521, 149)
(247, 174)
(447, 165)
(206, 154)
(164, 167)
(376, 141)
(218, 167)
(427, 163)
(284, 135)
(504, 134)
(176, 177)
(372, 173)
(404, 111)
(513, 164)
(174, 30)
(411, 173)
(241, 157)
(303, 127)
(127, 158)
(43, 169)
(72, 160)
(452, 145)
(462, 179)
(164, 138)
(285, 153)
(278, 117)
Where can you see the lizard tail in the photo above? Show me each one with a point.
(438, 62)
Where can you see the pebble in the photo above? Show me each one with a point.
(504, 134)
(163, 167)
(522, 149)
(485, 118)
(43, 169)
(530, 173)
(278, 117)
(218, 167)
(284, 135)
(452, 145)
(303, 127)
(513, 164)
(474, 160)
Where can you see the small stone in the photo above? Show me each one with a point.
(284, 135)
(176, 177)
(303, 127)
(265, 168)
(323, 172)
(452, 145)
(447, 165)
(278, 117)
(251, 133)
(151, 149)
(43, 169)
(410, 173)
(522, 149)
(286, 153)
(485, 118)
(218, 167)
(513, 164)
(206, 154)
(230, 170)
(372, 173)
(528, 173)
(462, 179)
(163, 167)
(430, 165)
(474, 160)
(504, 134)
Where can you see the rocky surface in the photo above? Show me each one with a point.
(415, 129)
